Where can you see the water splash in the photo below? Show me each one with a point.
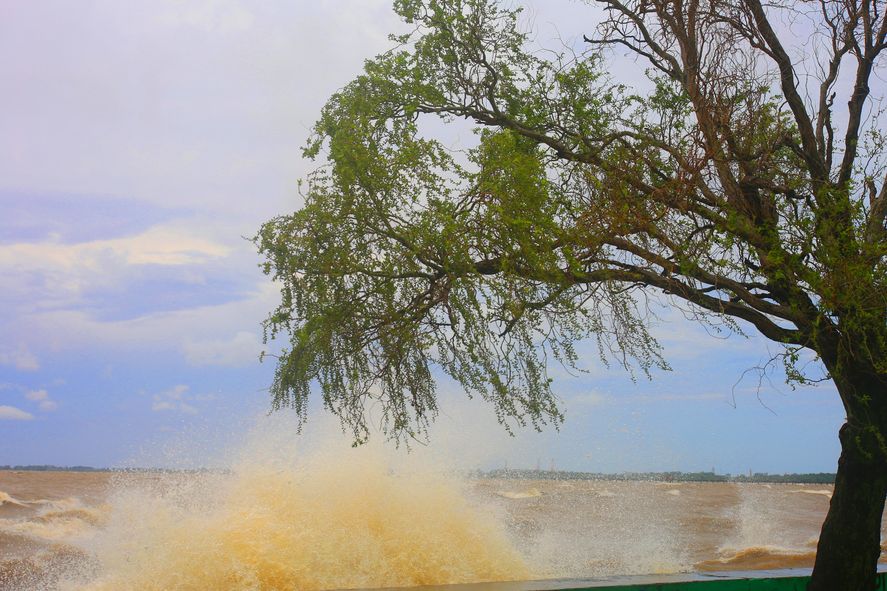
(329, 521)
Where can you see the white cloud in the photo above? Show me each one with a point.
(73, 329)
(221, 16)
(201, 103)
(242, 349)
(176, 392)
(21, 358)
(175, 399)
(37, 395)
(165, 244)
(42, 397)
(588, 399)
(11, 413)
(199, 107)
(684, 338)
(170, 246)
(635, 399)
(49, 405)
(101, 275)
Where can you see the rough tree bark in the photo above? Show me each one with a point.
(850, 541)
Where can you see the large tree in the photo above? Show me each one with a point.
(737, 182)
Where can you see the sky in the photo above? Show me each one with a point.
(142, 144)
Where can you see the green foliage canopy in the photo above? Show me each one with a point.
(580, 199)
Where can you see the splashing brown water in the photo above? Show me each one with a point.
(330, 522)
(350, 524)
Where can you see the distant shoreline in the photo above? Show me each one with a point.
(524, 474)
(50, 468)
(762, 477)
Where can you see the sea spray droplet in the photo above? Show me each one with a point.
(336, 521)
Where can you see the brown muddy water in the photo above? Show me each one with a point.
(331, 525)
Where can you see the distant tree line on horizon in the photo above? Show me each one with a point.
(53, 468)
(526, 474)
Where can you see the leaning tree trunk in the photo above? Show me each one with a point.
(850, 542)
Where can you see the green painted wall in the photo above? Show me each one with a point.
(768, 584)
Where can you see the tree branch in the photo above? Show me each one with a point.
(789, 89)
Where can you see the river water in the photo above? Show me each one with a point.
(328, 523)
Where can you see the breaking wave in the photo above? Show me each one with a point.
(759, 557)
(55, 520)
(805, 491)
(6, 499)
(530, 493)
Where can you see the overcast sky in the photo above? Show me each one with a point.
(141, 141)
